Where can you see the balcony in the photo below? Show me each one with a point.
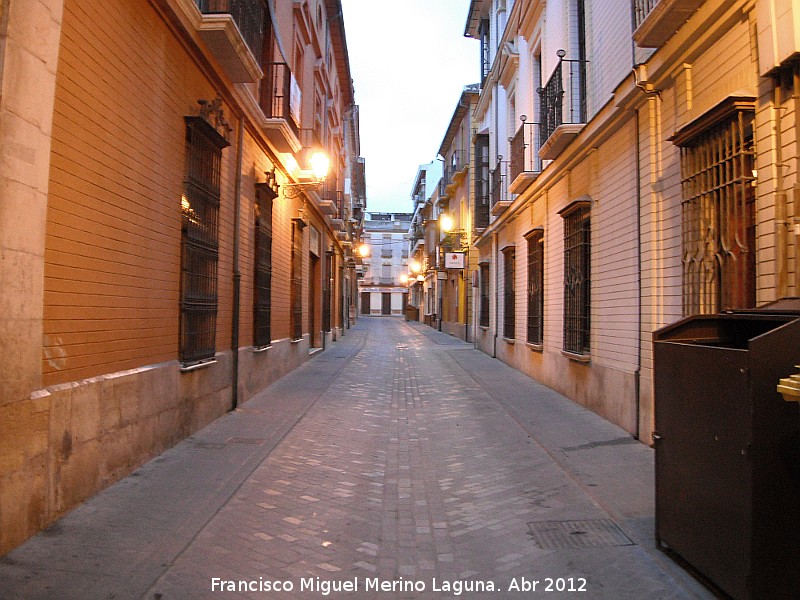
(525, 163)
(499, 194)
(455, 171)
(332, 203)
(657, 20)
(562, 113)
(234, 32)
(280, 103)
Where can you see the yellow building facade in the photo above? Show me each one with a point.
(178, 254)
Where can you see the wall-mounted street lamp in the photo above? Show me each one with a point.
(320, 163)
(363, 250)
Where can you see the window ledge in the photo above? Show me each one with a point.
(509, 341)
(483, 327)
(196, 366)
(260, 349)
(535, 347)
(578, 358)
(296, 341)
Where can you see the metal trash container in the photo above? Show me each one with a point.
(726, 450)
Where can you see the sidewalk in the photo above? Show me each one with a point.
(399, 458)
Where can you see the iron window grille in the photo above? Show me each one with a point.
(296, 288)
(484, 288)
(509, 300)
(262, 333)
(327, 286)
(481, 218)
(718, 214)
(199, 240)
(486, 64)
(535, 286)
(577, 280)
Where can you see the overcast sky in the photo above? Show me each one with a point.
(409, 62)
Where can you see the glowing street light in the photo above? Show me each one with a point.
(446, 223)
(320, 163)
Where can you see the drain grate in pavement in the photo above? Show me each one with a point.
(246, 440)
(555, 535)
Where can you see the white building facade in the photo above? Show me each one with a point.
(642, 161)
(383, 288)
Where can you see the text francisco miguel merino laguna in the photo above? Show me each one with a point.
(374, 584)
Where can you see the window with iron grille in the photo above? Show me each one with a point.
(535, 286)
(485, 49)
(481, 181)
(296, 289)
(262, 334)
(577, 282)
(327, 286)
(199, 240)
(484, 283)
(508, 292)
(718, 213)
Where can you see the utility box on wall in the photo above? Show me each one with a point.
(727, 450)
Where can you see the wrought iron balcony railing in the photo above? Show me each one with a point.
(642, 8)
(458, 161)
(276, 94)
(248, 15)
(499, 183)
(525, 150)
(563, 98)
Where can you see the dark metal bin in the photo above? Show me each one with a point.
(727, 458)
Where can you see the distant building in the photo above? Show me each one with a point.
(425, 293)
(383, 287)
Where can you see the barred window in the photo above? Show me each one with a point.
(508, 292)
(481, 181)
(262, 333)
(718, 213)
(484, 283)
(327, 287)
(296, 290)
(199, 240)
(577, 282)
(535, 286)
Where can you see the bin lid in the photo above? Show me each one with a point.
(784, 306)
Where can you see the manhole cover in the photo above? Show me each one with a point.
(554, 535)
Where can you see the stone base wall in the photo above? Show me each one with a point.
(67, 442)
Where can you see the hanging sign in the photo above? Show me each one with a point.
(454, 260)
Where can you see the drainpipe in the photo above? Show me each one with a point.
(781, 224)
(796, 188)
(638, 373)
(495, 243)
(237, 276)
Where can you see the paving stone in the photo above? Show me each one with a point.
(409, 458)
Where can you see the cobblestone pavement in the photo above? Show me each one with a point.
(399, 463)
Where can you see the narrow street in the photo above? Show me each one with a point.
(399, 463)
